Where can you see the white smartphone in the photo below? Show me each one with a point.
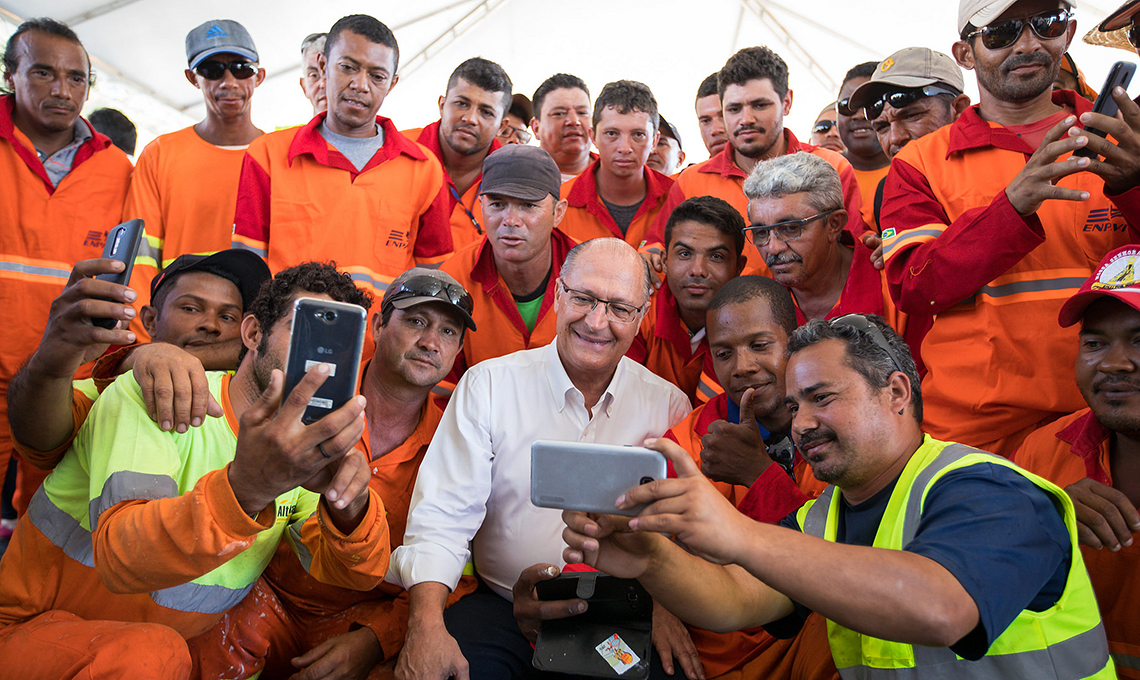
(589, 477)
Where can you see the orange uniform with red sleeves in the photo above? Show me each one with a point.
(501, 330)
(663, 345)
(998, 366)
(300, 199)
(185, 189)
(587, 217)
(720, 176)
(466, 210)
(754, 653)
(44, 231)
(290, 612)
(1067, 451)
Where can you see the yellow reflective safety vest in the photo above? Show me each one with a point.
(1064, 642)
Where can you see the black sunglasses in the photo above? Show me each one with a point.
(823, 127)
(863, 325)
(843, 106)
(216, 70)
(1047, 26)
(1134, 33)
(428, 286)
(900, 99)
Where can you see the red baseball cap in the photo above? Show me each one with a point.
(1117, 277)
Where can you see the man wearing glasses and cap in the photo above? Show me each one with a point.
(990, 223)
(927, 558)
(186, 182)
(472, 496)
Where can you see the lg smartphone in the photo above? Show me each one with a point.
(122, 245)
(589, 477)
(331, 333)
(1119, 76)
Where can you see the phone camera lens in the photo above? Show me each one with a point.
(330, 316)
(645, 480)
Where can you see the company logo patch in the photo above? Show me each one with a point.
(886, 65)
(1119, 272)
(216, 32)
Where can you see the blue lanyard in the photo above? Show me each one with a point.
(467, 210)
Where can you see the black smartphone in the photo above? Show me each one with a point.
(1119, 76)
(331, 333)
(610, 598)
(122, 245)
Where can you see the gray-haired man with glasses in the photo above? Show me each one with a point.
(472, 496)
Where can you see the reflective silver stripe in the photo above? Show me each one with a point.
(196, 597)
(299, 547)
(361, 277)
(1126, 661)
(947, 457)
(706, 389)
(126, 485)
(903, 238)
(147, 251)
(441, 391)
(1038, 286)
(260, 252)
(815, 522)
(63, 530)
(51, 272)
(1081, 656)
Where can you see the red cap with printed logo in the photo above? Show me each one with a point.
(1117, 277)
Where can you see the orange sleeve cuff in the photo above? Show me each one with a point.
(226, 510)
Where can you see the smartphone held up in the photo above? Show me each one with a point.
(325, 332)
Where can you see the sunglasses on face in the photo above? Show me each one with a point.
(216, 70)
(1047, 26)
(843, 106)
(823, 127)
(427, 286)
(1134, 32)
(900, 99)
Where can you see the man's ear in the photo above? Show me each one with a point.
(836, 222)
(377, 324)
(250, 332)
(963, 54)
(899, 391)
(148, 315)
(190, 75)
(959, 105)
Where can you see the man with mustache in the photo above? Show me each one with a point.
(561, 123)
(754, 97)
(470, 116)
(347, 186)
(61, 191)
(990, 223)
(705, 238)
(618, 195)
(185, 183)
(1093, 453)
(927, 558)
(512, 272)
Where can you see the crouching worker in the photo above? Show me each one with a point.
(140, 538)
(927, 558)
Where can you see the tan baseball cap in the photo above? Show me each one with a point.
(909, 67)
(981, 12)
(1113, 31)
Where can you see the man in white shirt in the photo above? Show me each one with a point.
(473, 490)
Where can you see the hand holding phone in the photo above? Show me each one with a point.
(331, 333)
(1119, 76)
(122, 245)
(590, 477)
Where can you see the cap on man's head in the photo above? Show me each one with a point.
(907, 68)
(1117, 277)
(243, 268)
(217, 37)
(669, 130)
(1113, 31)
(420, 284)
(980, 13)
(521, 107)
(526, 173)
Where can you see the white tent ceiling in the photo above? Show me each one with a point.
(671, 45)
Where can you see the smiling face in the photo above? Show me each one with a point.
(856, 131)
(358, 76)
(418, 345)
(699, 260)
(563, 126)
(754, 117)
(749, 350)
(624, 141)
(227, 98)
(591, 343)
(50, 83)
(1108, 364)
(469, 118)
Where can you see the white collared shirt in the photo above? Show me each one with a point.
(474, 483)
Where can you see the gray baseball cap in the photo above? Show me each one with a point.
(219, 36)
(907, 68)
(527, 173)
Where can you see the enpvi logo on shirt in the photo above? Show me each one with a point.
(1108, 219)
(397, 238)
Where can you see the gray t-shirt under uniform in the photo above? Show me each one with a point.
(358, 150)
(622, 214)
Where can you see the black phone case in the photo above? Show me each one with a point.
(1119, 76)
(617, 606)
(122, 245)
(337, 340)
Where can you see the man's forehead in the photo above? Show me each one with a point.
(470, 90)
(38, 45)
(633, 118)
(749, 319)
(789, 206)
(358, 48)
(753, 89)
(198, 282)
(1024, 8)
(566, 97)
(823, 363)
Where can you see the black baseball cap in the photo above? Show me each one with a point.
(527, 173)
(247, 270)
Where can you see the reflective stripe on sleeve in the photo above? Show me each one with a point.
(198, 597)
(64, 531)
(127, 485)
